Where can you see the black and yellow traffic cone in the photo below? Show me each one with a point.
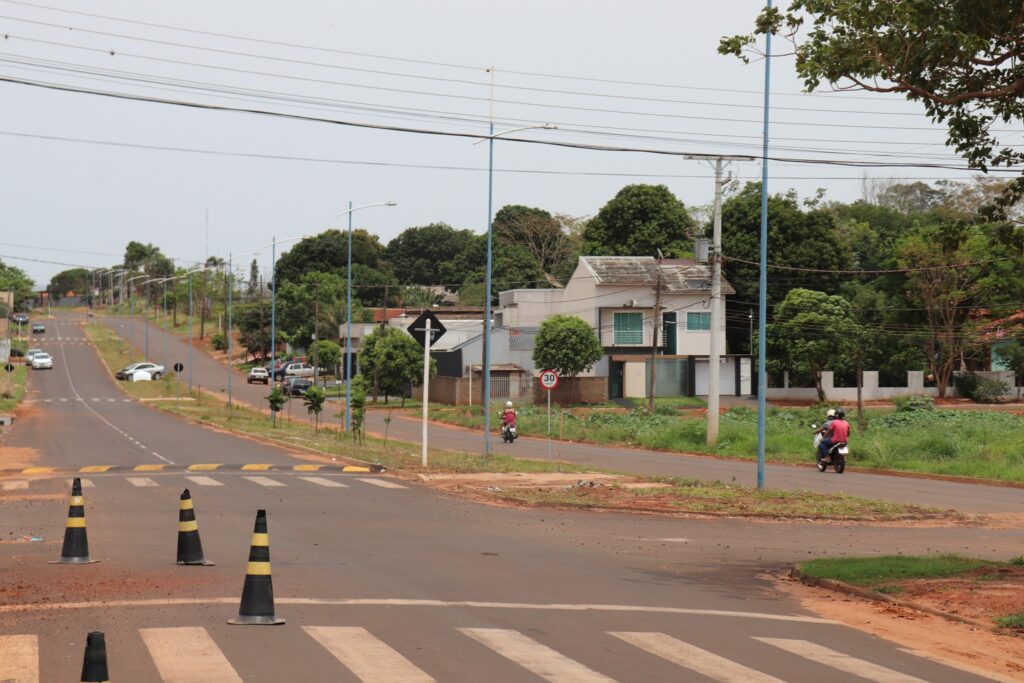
(94, 666)
(190, 548)
(76, 542)
(258, 591)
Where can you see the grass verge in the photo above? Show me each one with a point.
(12, 387)
(878, 572)
(116, 353)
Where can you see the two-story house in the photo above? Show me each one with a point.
(617, 296)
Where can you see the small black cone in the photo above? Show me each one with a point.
(190, 548)
(94, 666)
(76, 541)
(258, 590)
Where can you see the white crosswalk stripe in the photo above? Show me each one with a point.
(141, 481)
(265, 481)
(370, 659)
(203, 481)
(383, 483)
(322, 481)
(540, 659)
(187, 655)
(13, 485)
(694, 658)
(838, 660)
(19, 659)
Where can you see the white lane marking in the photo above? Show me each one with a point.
(47, 400)
(95, 400)
(19, 659)
(203, 481)
(533, 656)
(13, 485)
(324, 482)
(169, 462)
(141, 481)
(188, 655)
(694, 658)
(370, 659)
(838, 660)
(962, 666)
(383, 483)
(63, 400)
(408, 602)
(264, 481)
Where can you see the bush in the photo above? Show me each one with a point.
(910, 404)
(980, 389)
(219, 342)
(966, 384)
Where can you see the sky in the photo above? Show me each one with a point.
(82, 174)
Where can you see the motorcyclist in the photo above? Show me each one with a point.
(508, 417)
(838, 431)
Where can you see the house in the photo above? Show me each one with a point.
(617, 296)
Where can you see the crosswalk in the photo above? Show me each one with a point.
(190, 654)
(205, 480)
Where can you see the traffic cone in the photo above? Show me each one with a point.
(258, 591)
(76, 541)
(94, 665)
(190, 548)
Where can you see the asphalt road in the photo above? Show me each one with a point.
(398, 582)
(212, 375)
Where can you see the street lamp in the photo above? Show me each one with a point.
(487, 280)
(189, 275)
(348, 311)
(112, 272)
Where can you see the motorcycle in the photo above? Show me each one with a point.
(836, 454)
(508, 433)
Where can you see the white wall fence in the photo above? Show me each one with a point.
(870, 391)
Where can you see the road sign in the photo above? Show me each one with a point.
(549, 379)
(9, 368)
(178, 367)
(419, 326)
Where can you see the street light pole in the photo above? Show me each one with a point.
(273, 308)
(190, 334)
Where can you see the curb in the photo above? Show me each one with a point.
(875, 596)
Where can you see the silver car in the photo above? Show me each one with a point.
(42, 360)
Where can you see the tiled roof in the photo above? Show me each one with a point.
(677, 276)
(522, 338)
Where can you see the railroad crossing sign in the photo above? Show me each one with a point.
(178, 367)
(549, 379)
(419, 327)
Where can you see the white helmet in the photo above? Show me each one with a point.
(831, 413)
(508, 404)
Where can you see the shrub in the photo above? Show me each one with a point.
(980, 389)
(219, 342)
(910, 404)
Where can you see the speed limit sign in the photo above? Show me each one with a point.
(549, 379)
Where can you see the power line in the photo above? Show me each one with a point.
(834, 271)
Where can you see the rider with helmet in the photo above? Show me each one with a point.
(508, 417)
(836, 430)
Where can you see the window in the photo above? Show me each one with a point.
(629, 328)
(697, 322)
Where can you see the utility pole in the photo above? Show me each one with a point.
(714, 367)
(655, 324)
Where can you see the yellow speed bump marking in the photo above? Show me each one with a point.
(39, 470)
(95, 468)
(203, 467)
(148, 468)
(307, 468)
(353, 468)
(256, 468)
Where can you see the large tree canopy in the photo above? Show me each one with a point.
(418, 254)
(328, 253)
(77, 280)
(537, 231)
(964, 59)
(567, 345)
(16, 280)
(638, 221)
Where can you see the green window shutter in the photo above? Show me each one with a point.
(629, 328)
(698, 322)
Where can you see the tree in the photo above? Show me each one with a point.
(418, 254)
(638, 221)
(328, 253)
(358, 390)
(16, 280)
(77, 280)
(1012, 355)
(535, 230)
(393, 360)
(276, 401)
(812, 331)
(512, 267)
(961, 58)
(328, 353)
(253, 322)
(567, 345)
(252, 288)
(314, 402)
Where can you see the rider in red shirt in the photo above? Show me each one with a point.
(839, 432)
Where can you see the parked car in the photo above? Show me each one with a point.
(298, 386)
(155, 371)
(258, 374)
(38, 328)
(42, 360)
(299, 370)
(30, 353)
(19, 318)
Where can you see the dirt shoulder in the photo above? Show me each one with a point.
(969, 647)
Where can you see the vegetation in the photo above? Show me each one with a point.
(567, 345)
(12, 387)
(16, 280)
(276, 401)
(638, 221)
(313, 400)
(393, 361)
(875, 572)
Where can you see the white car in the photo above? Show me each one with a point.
(152, 369)
(42, 360)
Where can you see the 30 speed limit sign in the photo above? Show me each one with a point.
(549, 379)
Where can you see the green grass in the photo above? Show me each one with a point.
(981, 444)
(1011, 621)
(13, 384)
(116, 353)
(873, 572)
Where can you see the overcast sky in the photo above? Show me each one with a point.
(639, 75)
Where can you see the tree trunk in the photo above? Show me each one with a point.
(817, 385)
(202, 316)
